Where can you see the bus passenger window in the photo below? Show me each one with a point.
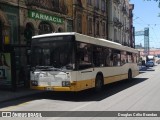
(98, 56)
(123, 58)
(129, 57)
(84, 56)
(116, 58)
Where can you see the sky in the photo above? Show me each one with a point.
(145, 14)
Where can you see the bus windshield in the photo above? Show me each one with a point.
(55, 52)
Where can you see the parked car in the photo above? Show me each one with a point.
(149, 64)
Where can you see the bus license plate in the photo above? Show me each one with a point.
(49, 88)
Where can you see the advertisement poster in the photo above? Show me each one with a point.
(5, 69)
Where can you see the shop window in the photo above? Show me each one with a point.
(28, 32)
(60, 29)
(45, 28)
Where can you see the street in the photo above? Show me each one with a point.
(140, 94)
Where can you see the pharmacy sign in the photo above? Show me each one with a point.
(45, 17)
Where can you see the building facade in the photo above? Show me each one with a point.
(90, 17)
(120, 25)
(43, 16)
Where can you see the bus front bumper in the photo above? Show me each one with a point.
(50, 88)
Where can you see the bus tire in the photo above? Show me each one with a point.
(99, 83)
(129, 75)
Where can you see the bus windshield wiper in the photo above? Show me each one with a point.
(48, 68)
(45, 67)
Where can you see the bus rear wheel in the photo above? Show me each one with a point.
(98, 83)
(129, 75)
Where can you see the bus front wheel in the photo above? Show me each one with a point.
(99, 83)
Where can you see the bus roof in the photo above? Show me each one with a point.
(91, 40)
(54, 34)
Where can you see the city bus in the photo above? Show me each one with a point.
(74, 62)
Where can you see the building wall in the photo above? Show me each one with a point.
(89, 18)
(43, 16)
(132, 38)
(119, 21)
(9, 20)
(155, 52)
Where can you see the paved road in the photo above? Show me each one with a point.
(141, 94)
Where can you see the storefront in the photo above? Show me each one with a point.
(9, 37)
(17, 26)
(45, 23)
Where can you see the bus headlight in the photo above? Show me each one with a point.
(36, 76)
(66, 83)
(34, 83)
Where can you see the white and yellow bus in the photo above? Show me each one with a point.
(73, 62)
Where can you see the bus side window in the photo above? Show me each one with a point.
(116, 58)
(98, 56)
(84, 56)
(111, 58)
(123, 58)
(107, 56)
(129, 57)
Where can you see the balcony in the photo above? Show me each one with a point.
(117, 23)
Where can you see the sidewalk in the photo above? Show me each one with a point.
(9, 95)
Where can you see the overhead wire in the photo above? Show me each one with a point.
(150, 26)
